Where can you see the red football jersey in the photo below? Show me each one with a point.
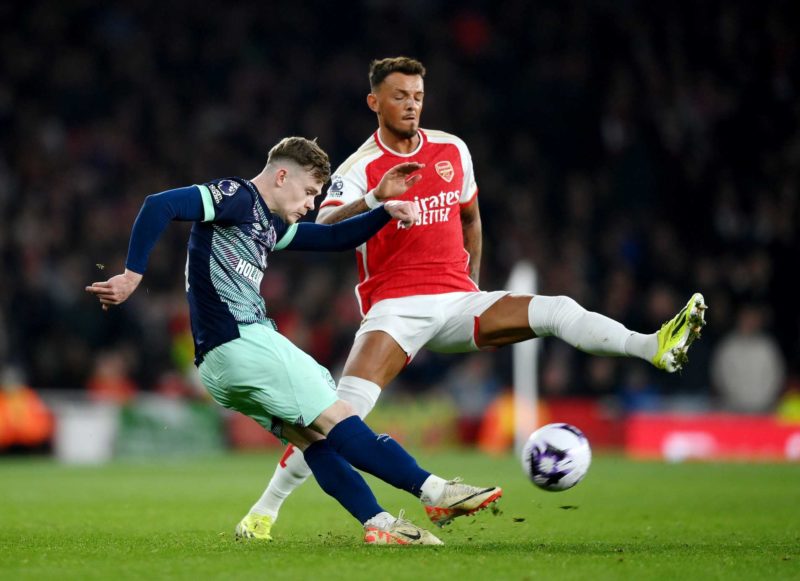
(430, 257)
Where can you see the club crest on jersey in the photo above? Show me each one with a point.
(445, 170)
(228, 187)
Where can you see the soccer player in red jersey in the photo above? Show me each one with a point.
(419, 287)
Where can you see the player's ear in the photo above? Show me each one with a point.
(372, 102)
(281, 175)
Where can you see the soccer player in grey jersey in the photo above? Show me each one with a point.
(243, 361)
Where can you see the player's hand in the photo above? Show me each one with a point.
(116, 289)
(406, 212)
(398, 180)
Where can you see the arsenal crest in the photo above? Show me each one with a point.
(445, 170)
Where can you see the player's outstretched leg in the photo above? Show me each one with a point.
(338, 479)
(381, 456)
(458, 499)
(597, 334)
(677, 334)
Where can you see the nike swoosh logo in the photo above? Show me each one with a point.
(484, 491)
(414, 537)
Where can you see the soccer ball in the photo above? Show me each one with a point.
(556, 457)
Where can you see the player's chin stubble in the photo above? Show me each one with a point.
(403, 133)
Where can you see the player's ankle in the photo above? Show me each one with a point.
(382, 521)
(642, 346)
(432, 489)
(260, 511)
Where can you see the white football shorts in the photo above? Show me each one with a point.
(445, 323)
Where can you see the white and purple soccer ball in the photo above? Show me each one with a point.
(556, 457)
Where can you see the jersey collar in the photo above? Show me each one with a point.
(390, 151)
(261, 201)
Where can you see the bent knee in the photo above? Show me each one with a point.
(332, 415)
(550, 315)
(300, 437)
(344, 409)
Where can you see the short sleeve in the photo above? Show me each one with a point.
(226, 200)
(345, 188)
(469, 188)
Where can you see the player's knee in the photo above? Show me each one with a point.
(332, 415)
(300, 437)
(345, 409)
(567, 304)
(549, 315)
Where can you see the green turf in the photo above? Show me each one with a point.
(174, 520)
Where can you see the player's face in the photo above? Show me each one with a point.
(398, 103)
(297, 194)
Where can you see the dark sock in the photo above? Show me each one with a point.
(378, 455)
(338, 479)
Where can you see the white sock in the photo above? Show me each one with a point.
(588, 331)
(432, 489)
(382, 521)
(644, 346)
(359, 393)
(290, 473)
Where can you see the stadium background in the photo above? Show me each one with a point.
(635, 152)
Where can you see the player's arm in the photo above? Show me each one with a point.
(349, 233)
(157, 211)
(394, 182)
(473, 243)
(334, 214)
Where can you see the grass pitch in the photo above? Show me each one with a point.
(174, 520)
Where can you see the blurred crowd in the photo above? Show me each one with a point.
(633, 151)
